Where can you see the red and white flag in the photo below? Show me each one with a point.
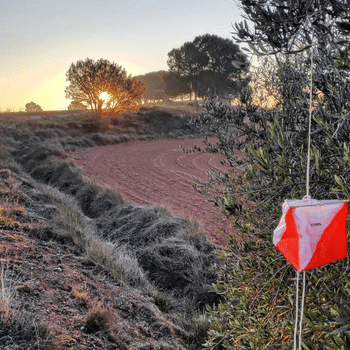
(312, 232)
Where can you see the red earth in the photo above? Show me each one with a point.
(158, 173)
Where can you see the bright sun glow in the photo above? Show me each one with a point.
(104, 96)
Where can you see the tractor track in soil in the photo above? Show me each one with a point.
(158, 173)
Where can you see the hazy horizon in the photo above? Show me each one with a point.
(40, 40)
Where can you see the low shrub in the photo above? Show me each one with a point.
(164, 301)
(95, 201)
(130, 269)
(175, 257)
(98, 318)
(71, 143)
(24, 331)
(136, 226)
(101, 254)
(33, 153)
(164, 123)
(44, 134)
(104, 139)
(199, 332)
(176, 266)
(65, 176)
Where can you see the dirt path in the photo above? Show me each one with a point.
(157, 172)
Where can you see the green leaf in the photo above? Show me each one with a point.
(340, 183)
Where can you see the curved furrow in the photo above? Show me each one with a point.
(157, 172)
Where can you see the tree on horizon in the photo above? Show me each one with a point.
(103, 85)
(32, 107)
(163, 85)
(209, 62)
(76, 106)
(155, 85)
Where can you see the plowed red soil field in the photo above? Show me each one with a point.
(157, 172)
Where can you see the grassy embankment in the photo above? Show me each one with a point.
(81, 268)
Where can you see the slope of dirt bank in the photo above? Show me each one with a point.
(157, 172)
(64, 284)
(53, 297)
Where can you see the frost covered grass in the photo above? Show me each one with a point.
(146, 248)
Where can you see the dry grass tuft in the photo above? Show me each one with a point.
(80, 294)
(98, 318)
(10, 212)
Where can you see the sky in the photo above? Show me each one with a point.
(40, 39)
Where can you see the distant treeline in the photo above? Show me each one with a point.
(206, 63)
(163, 85)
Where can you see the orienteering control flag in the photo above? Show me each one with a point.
(312, 232)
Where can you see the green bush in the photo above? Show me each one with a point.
(267, 149)
(259, 307)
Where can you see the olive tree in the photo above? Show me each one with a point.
(275, 140)
(267, 151)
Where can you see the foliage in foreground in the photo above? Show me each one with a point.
(268, 166)
(259, 311)
(257, 282)
(267, 149)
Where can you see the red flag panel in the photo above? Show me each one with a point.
(312, 233)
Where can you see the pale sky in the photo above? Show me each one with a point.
(41, 38)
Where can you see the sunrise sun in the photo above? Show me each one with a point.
(104, 96)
